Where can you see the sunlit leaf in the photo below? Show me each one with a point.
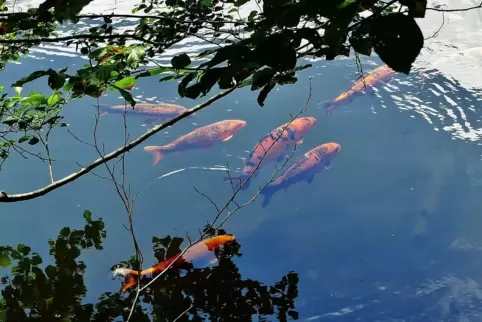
(5, 260)
(155, 71)
(87, 215)
(126, 83)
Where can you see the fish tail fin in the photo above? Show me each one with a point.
(268, 193)
(328, 106)
(238, 181)
(156, 151)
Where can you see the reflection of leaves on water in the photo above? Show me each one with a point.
(216, 293)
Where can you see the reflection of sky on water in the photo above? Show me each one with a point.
(390, 233)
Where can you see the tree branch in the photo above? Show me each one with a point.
(73, 37)
(4, 197)
(456, 10)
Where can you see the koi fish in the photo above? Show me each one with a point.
(199, 249)
(381, 74)
(148, 110)
(270, 148)
(303, 169)
(203, 137)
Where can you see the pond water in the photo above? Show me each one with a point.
(391, 232)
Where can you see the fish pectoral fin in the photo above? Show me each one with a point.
(213, 261)
(291, 133)
(328, 165)
(309, 179)
(300, 141)
(228, 138)
(103, 113)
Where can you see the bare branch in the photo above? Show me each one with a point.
(81, 36)
(456, 10)
(204, 235)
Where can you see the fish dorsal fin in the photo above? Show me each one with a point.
(228, 138)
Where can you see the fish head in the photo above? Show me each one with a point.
(216, 241)
(332, 148)
(236, 125)
(302, 125)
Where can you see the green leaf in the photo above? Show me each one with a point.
(180, 61)
(23, 249)
(33, 141)
(5, 260)
(397, 39)
(2, 87)
(262, 77)
(181, 89)
(56, 80)
(263, 94)
(252, 15)
(53, 99)
(88, 216)
(37, 74)
(24, 139)
(127, 96)
(10, 121)
(206, 53)
(301, 67)
(233, 10)
(126, 83)
(207, 3)
(362, 45)
(416, 8)
(155, 71)
(51, 271)
(135, 57)
(36, 259)
(276, 52)
(35, 98)
(335, 34)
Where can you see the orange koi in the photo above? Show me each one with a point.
(198, 250)
(381, 74)
(271, 149)
(149, 110)
(303, 169)
(203, 137)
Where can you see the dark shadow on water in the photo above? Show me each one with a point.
(32, 292)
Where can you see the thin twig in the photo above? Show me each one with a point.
(455, 10)
(184, 312)
(114, 154)
(204, 235)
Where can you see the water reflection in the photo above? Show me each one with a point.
(183, 293)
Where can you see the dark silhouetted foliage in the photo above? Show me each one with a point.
(36, 292)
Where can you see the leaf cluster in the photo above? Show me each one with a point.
(261, 51)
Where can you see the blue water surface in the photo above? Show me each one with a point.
(391, 232)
